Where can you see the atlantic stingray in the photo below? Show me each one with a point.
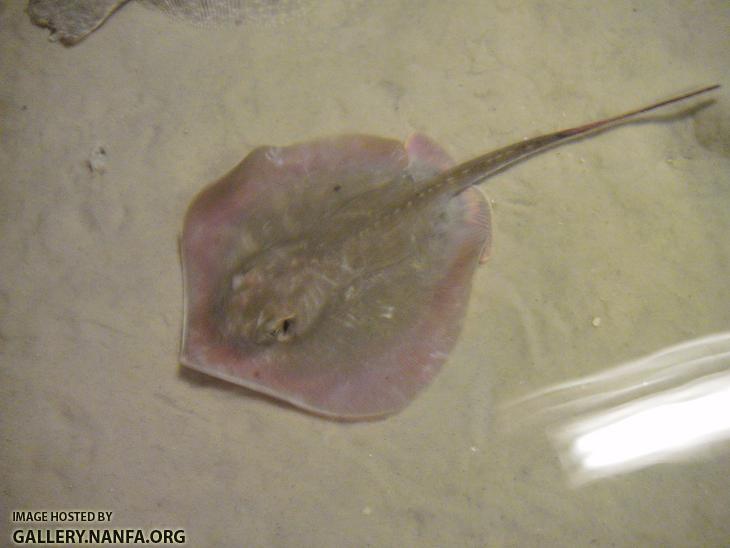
(334, 274)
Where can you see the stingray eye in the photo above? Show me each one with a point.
(283, 329)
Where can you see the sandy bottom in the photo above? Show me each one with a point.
(104, 144)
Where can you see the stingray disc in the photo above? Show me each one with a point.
(388, 276)
(334, 274)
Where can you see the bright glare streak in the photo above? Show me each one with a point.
(656, 432)
(663, 407)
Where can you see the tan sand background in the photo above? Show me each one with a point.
(630, 226)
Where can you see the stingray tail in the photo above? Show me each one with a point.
(478, 169)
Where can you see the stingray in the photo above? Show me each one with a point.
(334, 274)
(73, 20)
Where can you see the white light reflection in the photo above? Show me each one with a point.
(663, 407)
